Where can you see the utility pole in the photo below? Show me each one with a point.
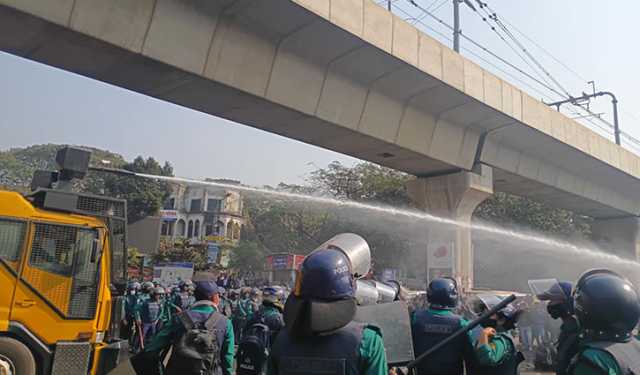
(389, 5)
(456, 25)
(456, 22)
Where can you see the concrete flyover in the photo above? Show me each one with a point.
(345, 75)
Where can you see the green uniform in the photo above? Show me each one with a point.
(595, 362)
(170, 332)
(372, 355)
(495, 353)
(498, 357)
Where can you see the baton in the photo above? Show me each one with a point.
(473, 324)
(140, 337)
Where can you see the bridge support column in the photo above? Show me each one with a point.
(453, 196)
(619, 236)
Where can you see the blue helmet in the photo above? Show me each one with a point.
(325, 275)
(606, 302)
(442, 293)
(324, 297)
(560, 299)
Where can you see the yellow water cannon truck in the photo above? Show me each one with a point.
(63, 269)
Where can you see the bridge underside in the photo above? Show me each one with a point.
(280, 67)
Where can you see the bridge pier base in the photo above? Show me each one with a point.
(454, 196)
(619, 236)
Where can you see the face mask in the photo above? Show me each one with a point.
(555, 311)
(490, 323)
(133, 292)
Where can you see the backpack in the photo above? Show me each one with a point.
(197, 352)
(253, 350)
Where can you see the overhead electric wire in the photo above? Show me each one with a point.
(607, 128)
(488, 51)
(439, 6)
(478, 56)
(513, 49)
(493, 16)
(567, 67)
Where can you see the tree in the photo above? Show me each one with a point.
(182, 252)
(144, 196)
(363, 182)
(509, 210)
(248, 256)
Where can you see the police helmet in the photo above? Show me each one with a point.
(272, 294)
(508, 314)
(442, 293)
(134, 286)
(604, 301)
(324, 296)
(560, 299)
(159, 291)
(185, 284)
(147, 286)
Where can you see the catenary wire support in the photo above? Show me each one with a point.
(614, 102)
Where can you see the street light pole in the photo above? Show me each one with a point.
(389, 5)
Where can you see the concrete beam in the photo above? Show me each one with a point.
(342, 74)
(620, 236)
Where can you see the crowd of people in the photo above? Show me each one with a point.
(201, 328)
(150, 306)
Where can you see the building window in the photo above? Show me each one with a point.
(208, 230)
(229, 232)
(196, 229)
(181, 226)
(190, 229)
(167, 228)
(236, 231)
(214, 205)
(196, 205)
(170, 204)
(219, 228)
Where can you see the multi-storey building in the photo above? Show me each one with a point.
(203, 213)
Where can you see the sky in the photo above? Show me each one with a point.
(40, 104)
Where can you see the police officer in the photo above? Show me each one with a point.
(560, 306)
(184, 298)
(150, 314)
(270, 313)
(320, 336)
(130, 307)
(147, 290)
(608, 309)
(205, 309)
(437, 322)
(495, 350)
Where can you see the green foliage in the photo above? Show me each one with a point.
(18, 165)
(133, 257)
(248, 256)
(508, 210)
(365, 182)
(182, 252)
(144, 196)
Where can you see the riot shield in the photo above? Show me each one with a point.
(394, 322)
(548, 290)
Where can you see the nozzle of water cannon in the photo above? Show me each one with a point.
(371, 292)
(367, 293)
(355, 248)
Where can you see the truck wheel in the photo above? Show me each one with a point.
(17, 357)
